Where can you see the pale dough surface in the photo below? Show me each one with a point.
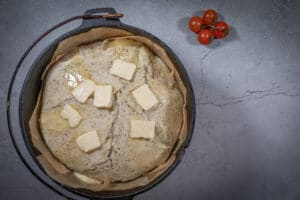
(120, 158)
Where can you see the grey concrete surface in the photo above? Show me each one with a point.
(247, 87)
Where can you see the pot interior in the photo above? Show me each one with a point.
(32, 85)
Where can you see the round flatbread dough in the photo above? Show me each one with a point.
(120, 158)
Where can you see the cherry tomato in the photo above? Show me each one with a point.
(195, 24)
(221, 30)
(210, 17)
(205, 36)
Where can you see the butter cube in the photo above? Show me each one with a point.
(88, 141)
(86, 179)
(72, 115)
(104, 95)
(142, 129)
(123, 69)
(145, 97)
(83, 90)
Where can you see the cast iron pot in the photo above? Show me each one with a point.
(24, 89)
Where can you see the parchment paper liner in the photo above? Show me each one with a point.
(53, 166)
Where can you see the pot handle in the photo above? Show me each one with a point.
(100, 21)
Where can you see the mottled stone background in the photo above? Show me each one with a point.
(247, 87)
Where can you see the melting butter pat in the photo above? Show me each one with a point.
(86, 179)
(88, 141)
(83, 90)
(123, 69)
(142, 129)
(145, 97)
(104, 95)
(72, 115)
